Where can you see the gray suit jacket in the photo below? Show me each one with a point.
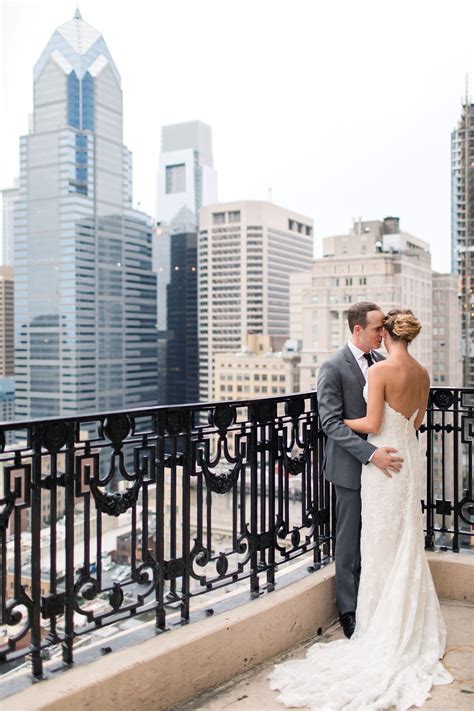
(340, 386)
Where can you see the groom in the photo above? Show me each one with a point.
(340, 386)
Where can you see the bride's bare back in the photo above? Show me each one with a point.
(407, 385)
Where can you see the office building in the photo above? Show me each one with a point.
(186, 181)
(262, 368)
(7, 401)
(85, 292)
(7, 351)
(375, 261)
(176, 266)
(462, 229)
(9, 197)
(246, 252)
(447, 356)
(186, 176)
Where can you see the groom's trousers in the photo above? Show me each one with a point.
(348, 525)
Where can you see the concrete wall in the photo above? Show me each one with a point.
(171, 668)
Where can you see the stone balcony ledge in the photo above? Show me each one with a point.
(173, 669)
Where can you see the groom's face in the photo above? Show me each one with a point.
(370, 337)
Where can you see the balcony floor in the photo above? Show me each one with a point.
(250, 691)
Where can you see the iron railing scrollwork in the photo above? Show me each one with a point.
(106, 517)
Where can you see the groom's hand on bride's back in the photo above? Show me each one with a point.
(387, 460)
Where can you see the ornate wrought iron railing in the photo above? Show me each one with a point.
(115, 515)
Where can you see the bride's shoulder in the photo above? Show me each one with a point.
(422, 371)
(380, 366)
(378, 372)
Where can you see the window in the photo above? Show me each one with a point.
(218, 218)
(175, 178)
(234, 216)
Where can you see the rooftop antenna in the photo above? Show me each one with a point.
(270, 195)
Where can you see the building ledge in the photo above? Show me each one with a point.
(173, 668)
(250, 691)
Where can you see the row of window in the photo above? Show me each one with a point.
(256, 376)
(219, 218)
(256, 389)
(348, 281)
(273, 366)
(295, 226)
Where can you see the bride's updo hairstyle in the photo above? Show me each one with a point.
(402, 325)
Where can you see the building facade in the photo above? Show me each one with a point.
(7, 348)
(447, 356)
(186, 175)
(462, 230)
(263, 368)
(9, 198)
(376, 262)
(7, 401)
(246, 252)
(85, 292)
(186, 181)
(175, 260)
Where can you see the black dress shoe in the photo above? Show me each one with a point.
(348, 623)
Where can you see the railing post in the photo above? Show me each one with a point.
(254, 582)
(456, 431)
(160, 614)
(429, 538)
(186, 526)
(37, 662)
(272, 458)
(69, 481)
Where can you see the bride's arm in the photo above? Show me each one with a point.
(373, 421)
(422, 410)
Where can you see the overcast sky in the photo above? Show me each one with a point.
(343, 108)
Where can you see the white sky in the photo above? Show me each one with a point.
(344, 108)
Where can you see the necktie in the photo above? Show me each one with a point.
(369, 359)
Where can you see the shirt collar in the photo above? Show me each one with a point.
(356, 352)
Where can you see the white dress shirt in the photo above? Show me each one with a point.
(359, 356)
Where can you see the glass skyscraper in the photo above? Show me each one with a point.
(186, 181)
(85, 292)
(462, 229)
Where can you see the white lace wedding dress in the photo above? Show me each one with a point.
(392, 660)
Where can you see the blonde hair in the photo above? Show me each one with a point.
(402, 325)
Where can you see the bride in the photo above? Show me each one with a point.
(392, 659)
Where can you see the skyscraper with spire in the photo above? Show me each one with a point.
(462, 230)
(85, 312)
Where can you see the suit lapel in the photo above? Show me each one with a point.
(353, 365)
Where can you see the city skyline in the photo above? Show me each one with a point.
(340, 111)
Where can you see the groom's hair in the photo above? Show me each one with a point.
(357, 314)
